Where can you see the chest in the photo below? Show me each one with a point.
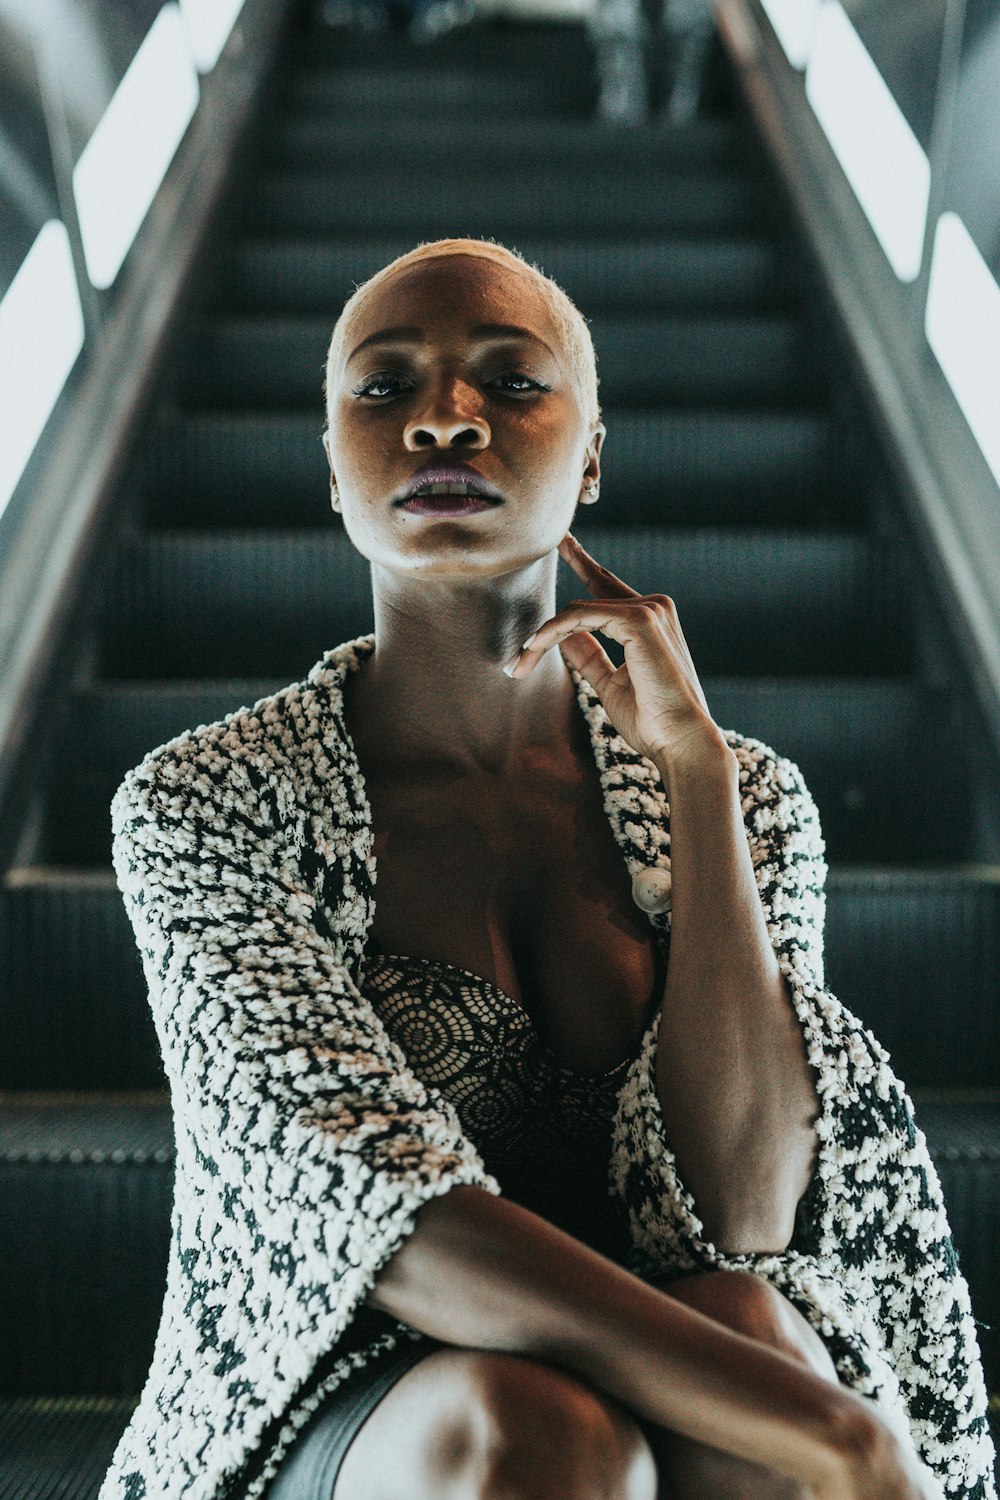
(525, 886)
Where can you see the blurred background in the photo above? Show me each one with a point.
(782, 220)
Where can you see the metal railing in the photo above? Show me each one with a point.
(883, 120)
(132, 294)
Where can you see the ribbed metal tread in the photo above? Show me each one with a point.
(722, 274)
(442, 92)
(103, 1129)
(598, 201)
(644, 359)
(710, 468)
(760, 602)
(525, 44)
(914, 952)
(59, 1447)
(89, 1190)
(862, 744)
(86, 1128)
(86, 1186)
(494, 144)
(964, 1139)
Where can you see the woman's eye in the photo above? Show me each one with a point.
(377, 385)
(524, 382)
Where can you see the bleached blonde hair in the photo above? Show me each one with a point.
(568, 319)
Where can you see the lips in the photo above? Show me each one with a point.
(461, 480)
(447, 505)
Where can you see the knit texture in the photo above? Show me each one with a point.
(306, 1143)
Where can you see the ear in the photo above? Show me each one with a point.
(591, 479)
(334, 492)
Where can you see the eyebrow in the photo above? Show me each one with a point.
(416, 336)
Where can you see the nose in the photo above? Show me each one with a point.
(447, 422)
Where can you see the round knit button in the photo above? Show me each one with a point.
(651, 890)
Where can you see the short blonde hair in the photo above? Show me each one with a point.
(569, 320)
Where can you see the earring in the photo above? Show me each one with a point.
(334, 495)
(591, 490)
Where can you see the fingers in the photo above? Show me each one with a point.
(584, 652)
(622, 624)
(600, 581)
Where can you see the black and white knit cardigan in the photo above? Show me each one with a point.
(305, 1144)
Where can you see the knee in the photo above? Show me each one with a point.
(536, 1433)
(750, 1305)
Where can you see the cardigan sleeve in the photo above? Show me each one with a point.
(304, 1143)
(871, 1263)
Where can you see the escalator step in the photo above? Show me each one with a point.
(596, 202)
(59, 1448)
(914, 953)
(965, 1143)
(284, 275)
(723, 468)
(494, 145)
(863, 745)
(443, 92)
(86, 1186)
(89, 1185)
(643, 360)
(524, 44)
(76, 1014)
(248, 604)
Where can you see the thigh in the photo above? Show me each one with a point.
(309, 1468)
(469, 1423)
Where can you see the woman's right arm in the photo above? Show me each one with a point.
(483, 1272)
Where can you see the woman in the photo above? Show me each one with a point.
(501, 1031)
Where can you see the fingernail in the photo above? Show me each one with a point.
(528, 642)
(509, 667)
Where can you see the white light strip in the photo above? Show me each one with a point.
(794, 22)
(963, 329)
(41, 334)
(126, 158)
(208, 24)
(884, 162)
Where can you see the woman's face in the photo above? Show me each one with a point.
(435, 385)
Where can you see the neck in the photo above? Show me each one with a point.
(434, 689)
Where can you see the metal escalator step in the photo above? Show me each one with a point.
(59, 1447)
(705, 467)
(643, 360)
(455, 92)
(493, 145)
(524, 45)
(916, 955)
(913, 952)
(662, 274)
(86, 1185)
(864, 746)
(211, 604)
(75, 1014)
(964, 1140)
(89, 1184)
(597, 202)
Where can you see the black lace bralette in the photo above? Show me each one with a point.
(540, 1128)
(464, 1036)
(543, 1130)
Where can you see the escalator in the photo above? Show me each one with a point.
(740, 475)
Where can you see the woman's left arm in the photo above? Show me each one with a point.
(736, 1091)
(874, 1267)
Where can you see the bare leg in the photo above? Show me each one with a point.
(467, 1424)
